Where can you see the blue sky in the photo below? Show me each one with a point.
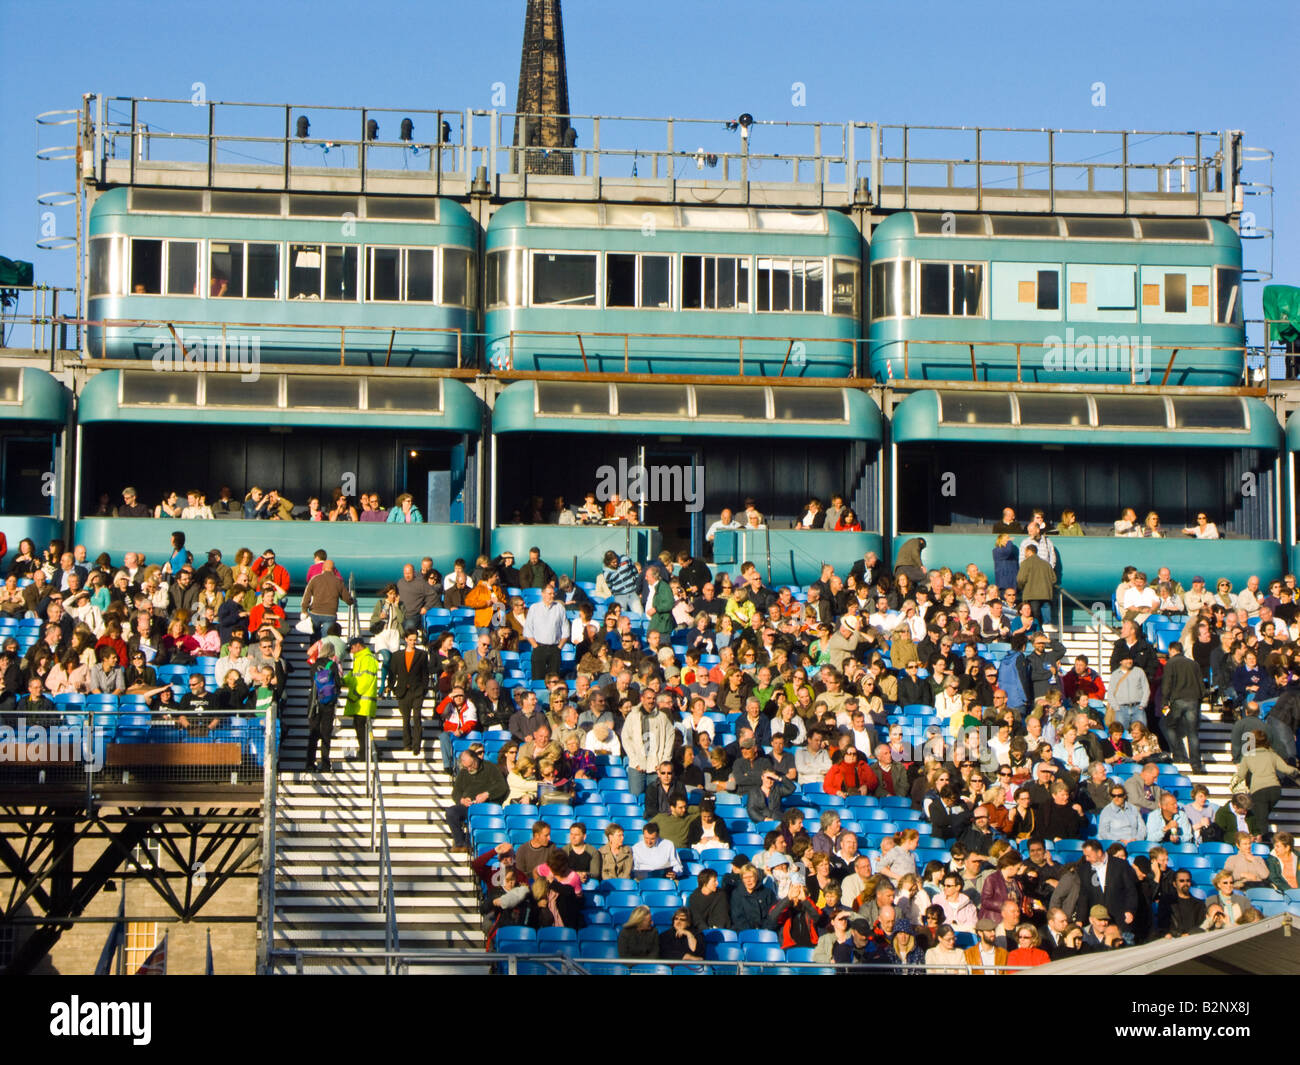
(1194, 65)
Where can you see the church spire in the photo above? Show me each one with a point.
(544, 92)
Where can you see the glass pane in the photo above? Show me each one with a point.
(105, 266)
(568, 397)
(245, 203)
(764, 277)
(504, 273)
(1209, 413)
(304, 271)
(663, 400)
(814, 271)
(620, 280)
(405, 393)
(780, 285)
(225, 269)
(949, 224)
(974, 408)
(182, 268)
(967, 288)
(844, 286)
(1015, 225)
(340, 272)
(692, 281)
(419, 275)
(146, 267)
(145, 386)
(808, 404)
(711, 283)
(1100, 228)
(1175, 229)
(227, 390)
(263, 271)
(323, 206)
(10, 383)
(385, 267)
(742, 281)
(935, 279)
(1038, 409)
(656, 281)
(184, 200)
(399, 208)
(341, 392)
(1147, 412)
(1175, 293)
(730, 401)
(564, 279)
(1227, 283)
(1049, 290)
(455, 275)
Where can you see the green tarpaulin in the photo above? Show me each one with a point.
(1282, 309)
(14, 274)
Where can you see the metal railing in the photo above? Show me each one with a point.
(262, 329)
(398, 962)
(270, 847)
(1097, 616)
(795, 347)
(379, 841)
(45, 323)
(850, 162)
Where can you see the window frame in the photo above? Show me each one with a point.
(904, 274)
(323, 248)
(797, 266)
(513, 255)
(599, 279)
(1238, 317)
(951, 264)
(638, 281)
(854, 266)
(745, 307)
(117, 245)
(244, 261)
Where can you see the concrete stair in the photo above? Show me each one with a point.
(328, 884)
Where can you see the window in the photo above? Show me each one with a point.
(643, 281)
(844, 286)
(1049, 290)
(401, 274)
(790, 284)
(715, 283)
(239, 270)
(341, 272)
(1175, 293)
(565, 279)
(106, 266)
(419, 275)
(385, 274)
(505, 273)
(952, 289)
(182, 268)
(141, 938)
(891, 289)
(146, 267)
(457, 277)
(323, 272)
(1227, 286)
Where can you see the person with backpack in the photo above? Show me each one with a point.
(362, 682)
(321, 704)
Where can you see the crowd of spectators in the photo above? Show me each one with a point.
(262, 504)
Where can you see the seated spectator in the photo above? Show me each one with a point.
(638, 937)
(653, 856)
(751, 900)
(107, 677)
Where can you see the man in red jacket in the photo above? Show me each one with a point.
(266, 569)
(458, 719)
(1082, 679)
(850, 776)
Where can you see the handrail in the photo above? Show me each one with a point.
(1061, 596)
(379, 841)
(563, 965)
(270, 850)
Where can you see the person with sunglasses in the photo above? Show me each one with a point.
(1181, 913)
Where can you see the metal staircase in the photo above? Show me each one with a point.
(332, 870)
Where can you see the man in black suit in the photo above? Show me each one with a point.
(1109, 882)
(408, 680)
(493, 703)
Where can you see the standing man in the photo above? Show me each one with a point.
(547, 628)
(320, 599)
(658, 602)
(1183, 691)
(322, 702)
(1035, 581)
(408, 681)
(363, 688)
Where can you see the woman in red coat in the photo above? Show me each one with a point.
(850, 775)
(1028, 952)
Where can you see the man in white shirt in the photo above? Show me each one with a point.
(725, 521)
(882, 619)
(813, 762)
(1127, 524)
(547, 628)
(654, 856)
(1037, 537)
(1141, 599)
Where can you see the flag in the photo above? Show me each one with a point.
(116, 936)
(156, 963)
(208, 969)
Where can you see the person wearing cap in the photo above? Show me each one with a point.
(362, 682)
(1101, 933)
(986, 954)
(1197, 597)
(845, 643)
(214, 567)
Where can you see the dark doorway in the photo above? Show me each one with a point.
(426, 475)
(912, 489)
(26, 462)
(673, 496)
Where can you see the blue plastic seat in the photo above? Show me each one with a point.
(764, 952)
(598, 933)
(598, 948)
(623, 899)
(549, 937)
(620, 883)
(515, 934)
(724, 952)
(657, 883)
(660, 900)
(761, 936)
(1264, 894)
